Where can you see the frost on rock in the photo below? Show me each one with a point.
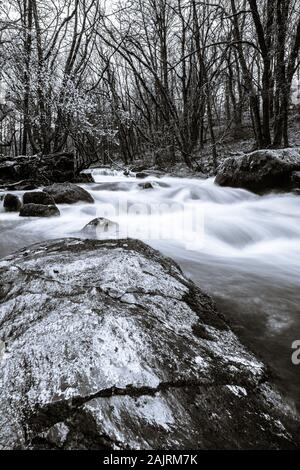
(108, 345)
(238, 391)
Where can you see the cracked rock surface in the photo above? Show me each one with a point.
(106, 345)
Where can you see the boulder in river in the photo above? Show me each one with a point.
(68, 193)
(147, 173)
(142, 175)
(38, 197)
(12, 203)
(109, 346)
(39, 210)
(260, 171)
(101, 226)
(147, 185)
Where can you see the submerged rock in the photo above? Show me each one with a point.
(260, 171)
(99, 226)
(147, 185)
(39, 210)
(109, 346)
(12, 203)
(142, 175)
(38, 197)
(147, 173)
(68, 193)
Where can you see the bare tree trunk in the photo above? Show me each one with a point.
(27, 20)
(253, 96)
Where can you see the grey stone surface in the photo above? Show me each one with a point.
(108, 345)
(38, 197)
(39, 210)
(68, 193)
(11, 203)
(260, 171)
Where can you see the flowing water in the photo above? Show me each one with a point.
(241, 248)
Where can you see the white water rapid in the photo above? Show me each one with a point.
(242, 249)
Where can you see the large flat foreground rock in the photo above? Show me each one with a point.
(109, 346)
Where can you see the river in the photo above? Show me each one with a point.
(243, 249)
